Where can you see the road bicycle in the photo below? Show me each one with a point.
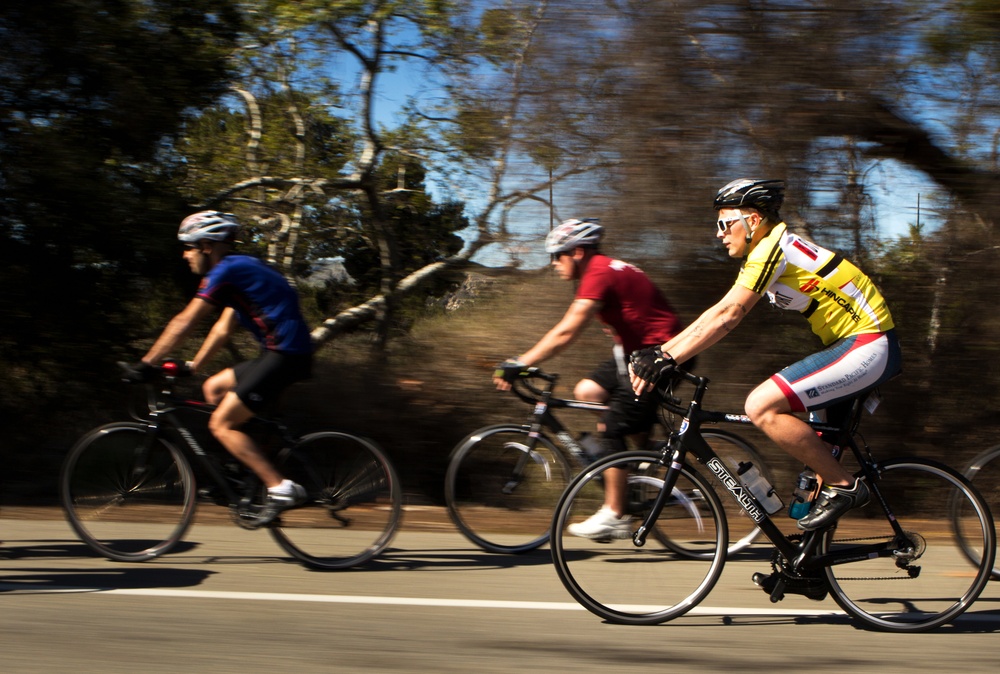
(503, 481)
(892, 565)
(984, 472)
(129, 489)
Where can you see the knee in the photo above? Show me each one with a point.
(216, 426)
(213, 389)
(757, 409)
(590, 390)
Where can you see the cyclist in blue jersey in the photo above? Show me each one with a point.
(252, 294)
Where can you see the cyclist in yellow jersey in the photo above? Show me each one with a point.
(843, 307)
(835, 297)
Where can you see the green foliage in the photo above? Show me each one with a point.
(90, 89)
(214, 146)
(424, 230)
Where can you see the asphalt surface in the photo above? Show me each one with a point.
(230, 601)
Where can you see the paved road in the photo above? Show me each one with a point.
(228, 601)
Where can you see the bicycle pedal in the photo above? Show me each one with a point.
(776, 585)
(772, 585)
(214, 495)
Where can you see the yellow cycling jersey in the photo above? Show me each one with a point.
(835, 296)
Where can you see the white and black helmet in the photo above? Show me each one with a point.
(764, 195)
(573, 233)
(211, 225)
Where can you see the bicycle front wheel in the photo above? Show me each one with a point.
(354, 501)
(620, 582)
(128, 495)
(501, 492)
(927, 580)
(984, 473)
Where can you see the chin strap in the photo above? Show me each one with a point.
(748, 235)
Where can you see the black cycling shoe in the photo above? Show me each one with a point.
(832, 503)
(812, 587)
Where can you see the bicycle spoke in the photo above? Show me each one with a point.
(926, 580)
(127, 499)
(500, 494)
(354, 501)
(623, 583)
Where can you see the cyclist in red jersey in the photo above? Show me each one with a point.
(637, 315)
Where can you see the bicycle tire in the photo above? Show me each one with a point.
(623, 583)
(732, 449)
(129, 497)
(927, 582)
(494, 506)
(354, 501)
(984, 474)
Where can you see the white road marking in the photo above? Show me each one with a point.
(389, 601)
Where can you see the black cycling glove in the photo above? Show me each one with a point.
(137, 373)
(651, 364)
(509, 370)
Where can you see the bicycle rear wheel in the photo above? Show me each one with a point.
(621, 582)
(927, 581)
(353, 506)
(501, 494)
(128, 495)
(984, 473)
(733, 450)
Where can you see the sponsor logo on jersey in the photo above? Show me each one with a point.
(806, 249)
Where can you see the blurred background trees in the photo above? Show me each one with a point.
(405, 144)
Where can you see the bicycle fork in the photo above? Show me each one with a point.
(669, 480)
(526, 453)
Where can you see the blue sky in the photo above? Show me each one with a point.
(894, 187)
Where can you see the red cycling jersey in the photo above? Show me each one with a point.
(630, 303)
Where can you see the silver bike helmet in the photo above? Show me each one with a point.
(211, 225)
(573, 233)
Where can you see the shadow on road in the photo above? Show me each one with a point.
(101, 580)
(450, 559)
(54, 548)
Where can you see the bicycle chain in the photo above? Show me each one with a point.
(865, 538)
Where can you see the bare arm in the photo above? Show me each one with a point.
(565, 331)
(559, 337)
(177, 330)
(217, 338)
(715, 323)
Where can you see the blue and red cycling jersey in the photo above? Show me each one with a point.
(264, 302)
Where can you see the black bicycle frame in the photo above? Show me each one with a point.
(688, 440)
(542, 416)
(163, 407)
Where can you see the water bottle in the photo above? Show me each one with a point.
(759, 487)
(803, 495)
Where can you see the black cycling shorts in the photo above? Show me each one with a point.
(626, 415)
(260, 382)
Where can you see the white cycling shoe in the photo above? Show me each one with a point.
(604, 525)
